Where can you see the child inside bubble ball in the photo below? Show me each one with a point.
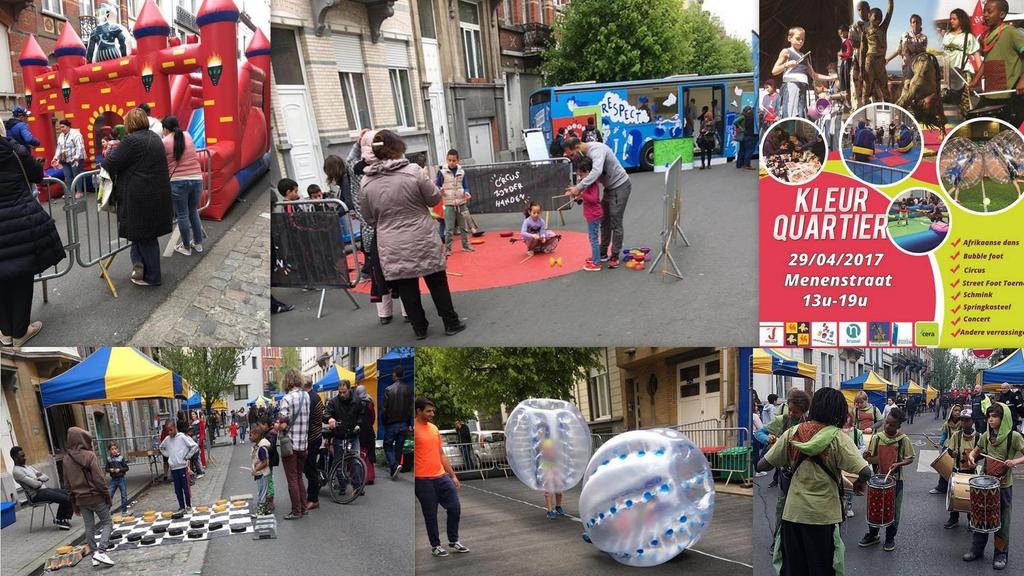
(547, 471)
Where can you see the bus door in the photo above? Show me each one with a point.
(714, 98)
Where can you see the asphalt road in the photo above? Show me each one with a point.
(372, 535)
(81, 308)
(715, 303)
(922, 544)
(503, 523)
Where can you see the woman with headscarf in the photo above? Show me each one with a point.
(367, 437)
(381, 294)
(396, 201)
(142, 191)
(87, 488)
(29, 242)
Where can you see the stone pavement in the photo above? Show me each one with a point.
(24, 552)
(171, 559)
(225, 300)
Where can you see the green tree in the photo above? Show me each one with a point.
(463, 380)
(967, 373)
(944, 369)
(209, 371)
(612, 40)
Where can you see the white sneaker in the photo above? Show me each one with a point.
(101, 557)
(198, 247)
(32, 330)
(849, 513)
(760, 474)
(181, 249)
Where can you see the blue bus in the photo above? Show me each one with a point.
(632, 115)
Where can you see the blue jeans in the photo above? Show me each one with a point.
(394, 443)
(122, 485)
(70, 171)
(182, 491)
(594, 233)
(147, 253)
(431, 492)
(185, 195)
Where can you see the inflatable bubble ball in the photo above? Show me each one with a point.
(547, 443)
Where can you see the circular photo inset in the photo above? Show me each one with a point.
(881, 144)
(793, 151)
(981, 165)
(918, 221)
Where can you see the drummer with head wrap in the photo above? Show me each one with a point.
(889, 452)
(960, 444)
(1003, 448)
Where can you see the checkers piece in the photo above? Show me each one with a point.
(240, 502)
(64, 549)
(134, 537)
(220, 508)
(505, 234)
(197, 524)
(221, 502)
(477, 241)
(149, 513)
(149, 539)
(202, 509)
(196, 533)
(167, 515)
(175, 530)
(159, 529)
(238, 528)
(215, 526)
(178, 515)
(117, 518)
(127, 519)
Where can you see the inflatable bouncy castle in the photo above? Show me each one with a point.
(224, 104)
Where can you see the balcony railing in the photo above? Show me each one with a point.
(535, 37)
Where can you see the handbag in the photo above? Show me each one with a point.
(105, 201)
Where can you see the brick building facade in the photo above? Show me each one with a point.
(349, 66)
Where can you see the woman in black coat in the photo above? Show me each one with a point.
(142, 190)
(29, 242)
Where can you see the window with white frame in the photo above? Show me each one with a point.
(54, 7)
(6, 76)
(826, 369)
(348, 55)
(599, 394)
(472, 48)
(402, 92)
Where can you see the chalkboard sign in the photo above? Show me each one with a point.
(506, 187)
(308, 251)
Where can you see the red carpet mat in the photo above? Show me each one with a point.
(496, 263)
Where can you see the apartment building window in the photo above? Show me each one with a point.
(472, 47)
(254, 362)
(6, 76)
(241, 391)
(285, 58)
(403, 97)
(87, 8)
(826, 370)
(599, 394)
(348, 53)
(54, 7)
(425, 11)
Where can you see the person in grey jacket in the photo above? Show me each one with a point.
(617, 187)
(179, 448)
(395, 199)
(33, 482)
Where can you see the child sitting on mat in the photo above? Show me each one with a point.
(592, 212)
(1003, 448)
(888, 452)
(538, 239)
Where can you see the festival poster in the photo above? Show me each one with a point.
(890, 205)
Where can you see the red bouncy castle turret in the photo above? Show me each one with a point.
(217, 21)
(258, 53)
(33, 64)
(150, 34)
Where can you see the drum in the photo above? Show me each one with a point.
(1000, 111)
(820, 108)
(958, 495)
(943, 464)
(985, 514)
(881, 496)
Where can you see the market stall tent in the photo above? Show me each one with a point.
(1009, 370)
(405, 357)
(911, 387)
(768, 361)
(261, 401)
(113, 374)
(195, 401)
(876, 387)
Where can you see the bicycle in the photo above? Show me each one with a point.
(341, 473)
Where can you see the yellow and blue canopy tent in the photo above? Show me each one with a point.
(113, 374)
(195, 401)
(911, 388)
(365, 375)
(876, 387)
(768, 361)
(262, 401)
(930, 393)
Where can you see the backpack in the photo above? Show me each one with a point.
(787, 477)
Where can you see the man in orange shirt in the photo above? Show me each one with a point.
(436, 482)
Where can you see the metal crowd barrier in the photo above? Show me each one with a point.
(876, 174)
(477, 458)
(101, 241)
(68, 238)
(137, 451)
